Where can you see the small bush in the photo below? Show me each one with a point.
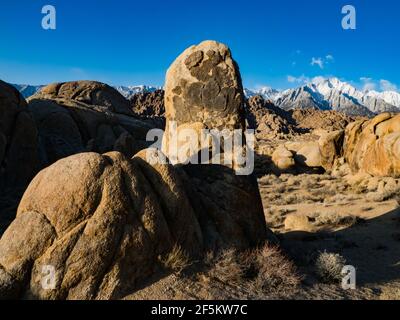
(226, 267)
(176, 260)
(274, 272)
(329, 267)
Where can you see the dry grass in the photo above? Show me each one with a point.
(226, 267)
(329, 266)
(275, 274)
(263, 272)
(177, 260)
(334, 220)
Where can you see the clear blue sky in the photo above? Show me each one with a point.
(134, 42)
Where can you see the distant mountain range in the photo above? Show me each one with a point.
(332, 94)
(322, 93)
(126, 91)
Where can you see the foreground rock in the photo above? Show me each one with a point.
(101, 221)
(19, 160)
(373, 146)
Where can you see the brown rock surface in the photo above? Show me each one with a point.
(269, 121)
(19, 160)
(150, 106)
(373, 146)
(203, 90)
(102, 221)
(82, 116)
(318, 119)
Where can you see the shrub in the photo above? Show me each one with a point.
(176, 260)
(226, 267)
(275, 273)
(329, 267)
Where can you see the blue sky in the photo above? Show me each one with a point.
(133, 42)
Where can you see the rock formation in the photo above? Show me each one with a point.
(82, 116)
(104, 223)
(149, 106)
(328, 120)
(269, 121)
(203, 90)
(373, 146)
(19, 160)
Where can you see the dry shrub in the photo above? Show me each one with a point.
(275, 274)
(329, 266)
(333, 219)
(226, 266)
(176, 260)
(261, 272)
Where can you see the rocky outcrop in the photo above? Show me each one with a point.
(269, 121)
(19, 160)
(83, 116)
(373, 146)
(149, 106)
(331, 148)
(203, 90)
(311, 119)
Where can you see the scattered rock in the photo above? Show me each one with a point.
(298, 222)
(283, 158)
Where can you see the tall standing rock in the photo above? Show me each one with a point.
(203, 90)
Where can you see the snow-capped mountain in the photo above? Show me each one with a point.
(266, 92)
(27, 90)
(129, 91)
(334, 94)
(126, 91)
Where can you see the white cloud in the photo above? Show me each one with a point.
(386, 85)
(317, 61)
(330, 57)
(368, 84)
(318, 79)
(302, 79)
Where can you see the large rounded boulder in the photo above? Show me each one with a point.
(100, 222)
